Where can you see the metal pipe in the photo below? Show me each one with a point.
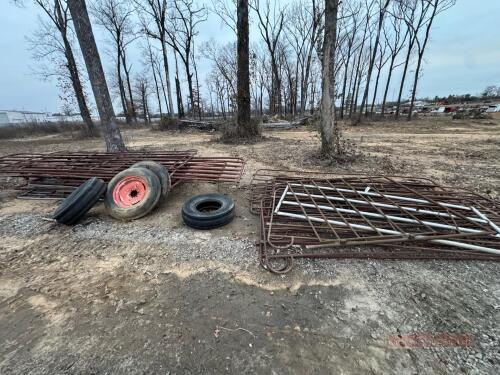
(389, 231)
(385, 205)
(485, 218)
(278, 206)
(415, 200)
(390, 217)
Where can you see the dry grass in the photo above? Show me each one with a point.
(14, 131)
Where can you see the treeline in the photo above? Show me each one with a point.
(489, 94)
(375, 39)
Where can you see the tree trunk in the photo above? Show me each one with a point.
(421, 50)
(350, 94)
(243, 78)
(121, 87)
(162, 85)
(178, 92)
(148, 116)
(357, 86)
(328, 128)
(144, 106)
(386, 91)
(167, 76)
(261, 101)
(158, 97)
(376, 84)
(90, 129)
(414, 90)
(198, 98)
(189, 77)
(83, 29)
(403, 78)
(278, 91)
(157, 88)
(155, 78)
(305, 82)
(132, 113)
(344, 84)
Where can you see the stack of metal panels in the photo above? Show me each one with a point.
(355, 216)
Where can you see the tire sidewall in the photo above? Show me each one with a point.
(190, 210)
(161, 172)
(196, 219)
(151, 198)
(74, 197)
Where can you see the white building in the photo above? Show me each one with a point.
(20, 117)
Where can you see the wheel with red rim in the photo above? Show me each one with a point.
(132, 193)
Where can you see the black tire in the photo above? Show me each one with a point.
(152, 193)
(161, 172)
(208, 211)
(80, 201)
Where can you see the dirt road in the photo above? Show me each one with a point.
(155, 297)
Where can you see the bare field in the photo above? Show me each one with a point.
(154, 296)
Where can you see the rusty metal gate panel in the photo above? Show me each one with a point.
(356, 216)
(55, 175)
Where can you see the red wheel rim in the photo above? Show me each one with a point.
(129, 191)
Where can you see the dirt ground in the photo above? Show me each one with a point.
(155, 297)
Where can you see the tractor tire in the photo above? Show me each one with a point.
(80, 201)
(161, 172)
(208, 211)
(132, 194)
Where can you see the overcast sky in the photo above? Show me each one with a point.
(463, 55)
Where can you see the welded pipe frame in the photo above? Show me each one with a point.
(483, 219)
(385, 205)
(390, 217)
(374, 229)
(390, 196)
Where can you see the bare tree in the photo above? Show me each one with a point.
(303, 30)
(151, 59)
(383, 5)
(411, 14)
(155, 11)
(114, 16)
(316, 17)
(178, 90)
(83, 29)
(184, 19)
(348, 50)
(219, 86)
(383, 58)
(360, 63)
(260, 75)
(198, 101)
(225, 62)
(53, 41)
(226, 11)
(127, 68)
(395, 41)
(143, 91)
(436, 7)
(330, 135)
(271, 23)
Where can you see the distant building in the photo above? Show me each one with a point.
(20, 117)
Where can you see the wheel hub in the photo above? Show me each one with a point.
(129, 191)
